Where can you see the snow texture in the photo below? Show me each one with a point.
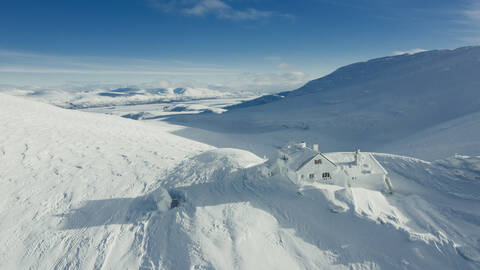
(92, 191)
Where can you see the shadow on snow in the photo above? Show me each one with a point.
(167, 235)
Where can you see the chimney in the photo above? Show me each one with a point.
(357, 156)
(303, 144)
(315, 147)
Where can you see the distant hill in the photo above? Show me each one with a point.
(113, 96)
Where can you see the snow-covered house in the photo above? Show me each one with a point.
(354, 169)
(301, 163)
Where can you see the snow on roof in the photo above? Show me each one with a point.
(298, 155)
(346, 160)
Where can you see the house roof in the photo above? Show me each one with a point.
(298, 156)
(346, 160)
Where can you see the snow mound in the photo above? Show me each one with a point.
(162, 199)
(369, 203)
(230, 157)
(137, 116)
(210, 166)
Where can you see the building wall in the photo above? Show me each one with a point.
(317, 170)
(338, 176)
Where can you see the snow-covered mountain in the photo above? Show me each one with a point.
(424, 104)
(117, 96)
(93, 191)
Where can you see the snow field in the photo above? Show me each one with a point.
(90, 191)
(53, 161)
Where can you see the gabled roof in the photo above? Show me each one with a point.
(298, 156)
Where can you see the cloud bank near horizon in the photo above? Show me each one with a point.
(42, 70)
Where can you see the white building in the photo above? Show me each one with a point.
(354, 169)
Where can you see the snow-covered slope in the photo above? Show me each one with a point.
(250, 220)
(459, 135)
(376, 105)
(91, 191)
(52, 160)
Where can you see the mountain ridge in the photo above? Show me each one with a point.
(372, 105)
(328, 82)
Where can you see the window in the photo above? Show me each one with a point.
(326, 175)
(311, 176)
(318, 161)
(302, 176)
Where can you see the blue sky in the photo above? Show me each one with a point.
(253, 44)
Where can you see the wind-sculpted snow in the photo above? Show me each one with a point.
(237, 217)
(442, 196)
(93, 169)
(91, 191)
(212, 165)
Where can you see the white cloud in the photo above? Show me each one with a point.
(273, 58)
(46, 70)
(269, 82)
(207, 6)
(279, 62)
(412, 51)
(472, 13)
(217, 8)
(248, 82)
(42, 70)
(9, 53)
(284, 65)
(26, 62)
(469, 20)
